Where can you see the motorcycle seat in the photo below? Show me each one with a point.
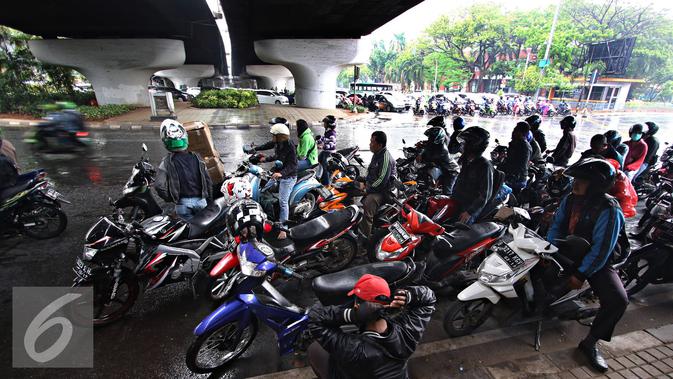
(13, 190)
(333, 288)
(345, 152)
(203, 220)
(320, 226)
(307, 174)
(463, 238)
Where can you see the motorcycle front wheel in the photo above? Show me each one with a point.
(463, 317)
(338, 254)
(43, 221)
(107, 310)
(214, 350)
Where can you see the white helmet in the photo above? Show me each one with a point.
(236, 189)
(174, 135)
(280, 129)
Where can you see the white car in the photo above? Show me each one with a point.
(265, 96)
(194, 91)
(391, 103)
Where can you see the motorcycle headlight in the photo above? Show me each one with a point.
(88, 253)
(488, 278)
(249, 268)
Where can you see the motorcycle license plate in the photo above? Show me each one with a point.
(81, 269)
(50, 193)
(399, 233)
(512, 259)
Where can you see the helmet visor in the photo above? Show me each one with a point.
(176, 144)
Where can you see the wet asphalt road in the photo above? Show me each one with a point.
(151, 341)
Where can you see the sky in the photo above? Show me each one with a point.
(416, 19)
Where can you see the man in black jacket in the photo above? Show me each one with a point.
(535, 121)
(380, 176)
(652, 147)
(385, 343)
(474, 186)
(515, 165)
(435, 152)
(458, 126)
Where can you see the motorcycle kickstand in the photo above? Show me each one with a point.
(538, 333)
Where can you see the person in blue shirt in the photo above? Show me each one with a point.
(589, 212)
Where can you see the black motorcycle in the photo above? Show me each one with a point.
(136, 194)
(32, 207)
(60, 132)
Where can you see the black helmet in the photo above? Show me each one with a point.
(436, 121)
(474, 139)
(613, 137)
(330, 121)
(245, 213)
(559, 185)
(597, 171)
(652, 128)
(636, 128)
(568, 122)
(458, 123)
(436, 135)
(279, 120)
(534, 121)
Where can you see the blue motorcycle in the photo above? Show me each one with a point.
(227, 333)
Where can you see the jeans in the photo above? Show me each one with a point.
(285, 187)
(642, 169)
(187, 207)
(303, 164)
(322, 158)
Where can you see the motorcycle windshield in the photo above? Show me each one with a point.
(102, 233)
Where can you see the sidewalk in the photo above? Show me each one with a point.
(217, 118)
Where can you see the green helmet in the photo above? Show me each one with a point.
(174, 136)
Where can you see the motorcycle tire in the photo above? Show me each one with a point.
(471, 320)
(339, 254)
(373, 242)
(227, 331)
(56, 218)
(632, 275)
(102, 281)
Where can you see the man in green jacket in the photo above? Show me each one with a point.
(307, 151)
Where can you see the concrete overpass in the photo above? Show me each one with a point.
(119, 45)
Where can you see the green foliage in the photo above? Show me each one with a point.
(102, 112)
(226, 98)
(345, 77)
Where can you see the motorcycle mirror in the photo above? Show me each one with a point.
(144, 147)
(405, 142)
(496, 141)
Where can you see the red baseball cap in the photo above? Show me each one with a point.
(372, 288)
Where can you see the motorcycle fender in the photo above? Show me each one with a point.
(231, 310)
(229, 261)
(302, 189)
(478, 290)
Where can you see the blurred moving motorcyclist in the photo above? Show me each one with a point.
(589, 212)
(385, 342)
(535, 121)
(474, 186)
(182, 177)
(566, 145)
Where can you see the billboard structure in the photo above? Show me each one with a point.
(616, 54)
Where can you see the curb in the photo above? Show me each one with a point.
(23, 124)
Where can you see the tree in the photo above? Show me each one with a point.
(379, 58)
(449, 71)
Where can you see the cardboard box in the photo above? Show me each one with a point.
(200, 139)
(215, 169)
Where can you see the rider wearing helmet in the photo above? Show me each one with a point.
(182, 177)
(245, 219)
(435, 151)
(600, 148)
(458, 126)
(328, 145)
(615, 143)
(535, 121)
(474, 186)
(515, 165)
(652, 147)
(589, 212)
(384, 344)
(566, 145)
(637, 151)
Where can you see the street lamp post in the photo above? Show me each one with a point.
(546, 53)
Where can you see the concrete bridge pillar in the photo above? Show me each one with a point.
(119, 69)
(270, 76)
(188, 75)
(315, 64)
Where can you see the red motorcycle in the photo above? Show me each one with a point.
(449, 256)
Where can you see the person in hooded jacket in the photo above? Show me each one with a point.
(535, 121)
(566, 145)
(458, 126)
(385, 342)
(637, 151)
(652, 148)
(307, 150)
(519, 152)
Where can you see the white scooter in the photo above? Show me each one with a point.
(506, 273)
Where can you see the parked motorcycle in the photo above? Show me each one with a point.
(167, 250)
(228, 331)
(137, 194)
(32, 207)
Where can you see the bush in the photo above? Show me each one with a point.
(104, 111)
(225, 98)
